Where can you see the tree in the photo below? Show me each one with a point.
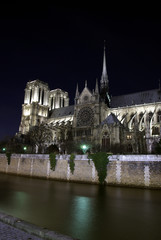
(52, 149)
(100, 160)
(40, 136)
(12, 145)
(157, 148)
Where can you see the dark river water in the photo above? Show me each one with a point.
(86, 212)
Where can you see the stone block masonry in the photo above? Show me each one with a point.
(123, 170)
(137, 170)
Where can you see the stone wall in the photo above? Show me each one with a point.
(122, 170)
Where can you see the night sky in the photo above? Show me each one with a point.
(63, 46)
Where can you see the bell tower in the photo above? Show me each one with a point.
(36, 105)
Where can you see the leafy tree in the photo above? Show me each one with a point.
(40, 136)
(52, 149)
(71, 163)
(100, 160)
(158, 147)
(68, 146)
(52, 158)
(12, 145)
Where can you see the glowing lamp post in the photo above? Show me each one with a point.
(24, 148)
(3, 149)
(84, 148)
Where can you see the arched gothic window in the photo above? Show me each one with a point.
(150, 115)
(155, 130)
(123, 118)
(42, 99)
(30, 95)
(39, 94)
(141, 122)
(140, 117)
(132, 120)
(129, 148)
(159, 116)
(105, 142)
(51, 103)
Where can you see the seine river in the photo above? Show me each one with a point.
(86, 212)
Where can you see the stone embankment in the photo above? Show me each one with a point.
(15, 228)
(122, 170)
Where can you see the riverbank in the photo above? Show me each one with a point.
(122, 170)
(11, 227)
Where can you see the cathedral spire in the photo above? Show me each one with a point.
(104, 78)
(104, 86)
(159, 84)
(77, 92)
(96, 87)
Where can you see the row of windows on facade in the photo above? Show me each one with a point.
(83, 132)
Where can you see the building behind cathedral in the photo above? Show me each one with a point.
(120, 124)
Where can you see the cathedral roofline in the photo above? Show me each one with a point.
(145, 91)
(111, 119)
(138, 98)
(37, 80)
(62, 112)
(58, 89)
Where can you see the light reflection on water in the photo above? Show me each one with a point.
(81, 215)
(87, 212)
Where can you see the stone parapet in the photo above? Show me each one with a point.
(140, 158)
(123, 170)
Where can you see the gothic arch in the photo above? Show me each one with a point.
(123, 118)
(141, 121)
(39, 95)
(150, 116)
(105, 140)
(132, 121)
(51, 106)
(159, 116)
(42, 99)
(31, 95)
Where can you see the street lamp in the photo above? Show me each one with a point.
(84, 148)
(4, 149)
(24, 148)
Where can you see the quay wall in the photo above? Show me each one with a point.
(122, 170)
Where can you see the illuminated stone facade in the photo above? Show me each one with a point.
(126, 123)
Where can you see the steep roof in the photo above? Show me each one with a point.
(136, 98)
(61, 112)
(111, 119)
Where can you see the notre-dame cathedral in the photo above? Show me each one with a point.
(127, 123)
